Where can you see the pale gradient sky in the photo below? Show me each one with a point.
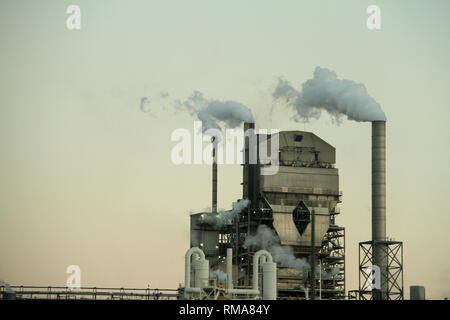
(86, 176)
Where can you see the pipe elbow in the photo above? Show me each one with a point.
(196, 250)
(264, 253)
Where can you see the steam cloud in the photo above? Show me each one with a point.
(211, 111)
(219, 275)
(143, 104)
(237, 207)
(336, 96)
(266, 239)
(224, 217)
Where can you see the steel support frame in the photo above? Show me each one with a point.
(393, 253)
(332, 252)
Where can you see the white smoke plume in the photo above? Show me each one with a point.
(219, 275)
(143, 105)
(224, 217)
(212, 112)
(237, 207)
(326, 92)
(265, 238)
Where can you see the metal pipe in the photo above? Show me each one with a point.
(320, 280)
(229, 268)
(187, 270)
(230, 289)
(251, 171)
(237, 242)
(313, 256)
(214, 175)
(243, 291)
(269, 272)
(379, 201)
(256, 265)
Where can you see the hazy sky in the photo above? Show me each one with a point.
(86, 176)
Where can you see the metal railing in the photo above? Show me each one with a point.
(87, 293)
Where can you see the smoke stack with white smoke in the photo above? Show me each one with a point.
(326, 92)
(346, 97)
(265, 238)
(212, 112)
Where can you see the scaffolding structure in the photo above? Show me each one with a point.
(332, 256)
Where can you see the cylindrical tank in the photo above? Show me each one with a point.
(201, 272)
(417, 293)
(269, 280)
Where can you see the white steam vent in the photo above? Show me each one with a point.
(326, 92)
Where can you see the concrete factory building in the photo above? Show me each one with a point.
(297, 205)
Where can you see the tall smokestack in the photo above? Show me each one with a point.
(251, 168)
(379, 202)
(214, 175)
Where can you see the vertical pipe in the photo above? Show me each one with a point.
(246, 191)
(229, 268)
(379, 202)
(313, 256)
(256, 258)
(269, 277)
(269, 280)
(320, 280)
(359, 271)
(245, 167)
(237, 242)
(401, 250)
(251, 169)
(214, 175)
(187, 266)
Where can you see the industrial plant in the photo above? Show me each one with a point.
(293, 215)
(282, 239)
(220, 153)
